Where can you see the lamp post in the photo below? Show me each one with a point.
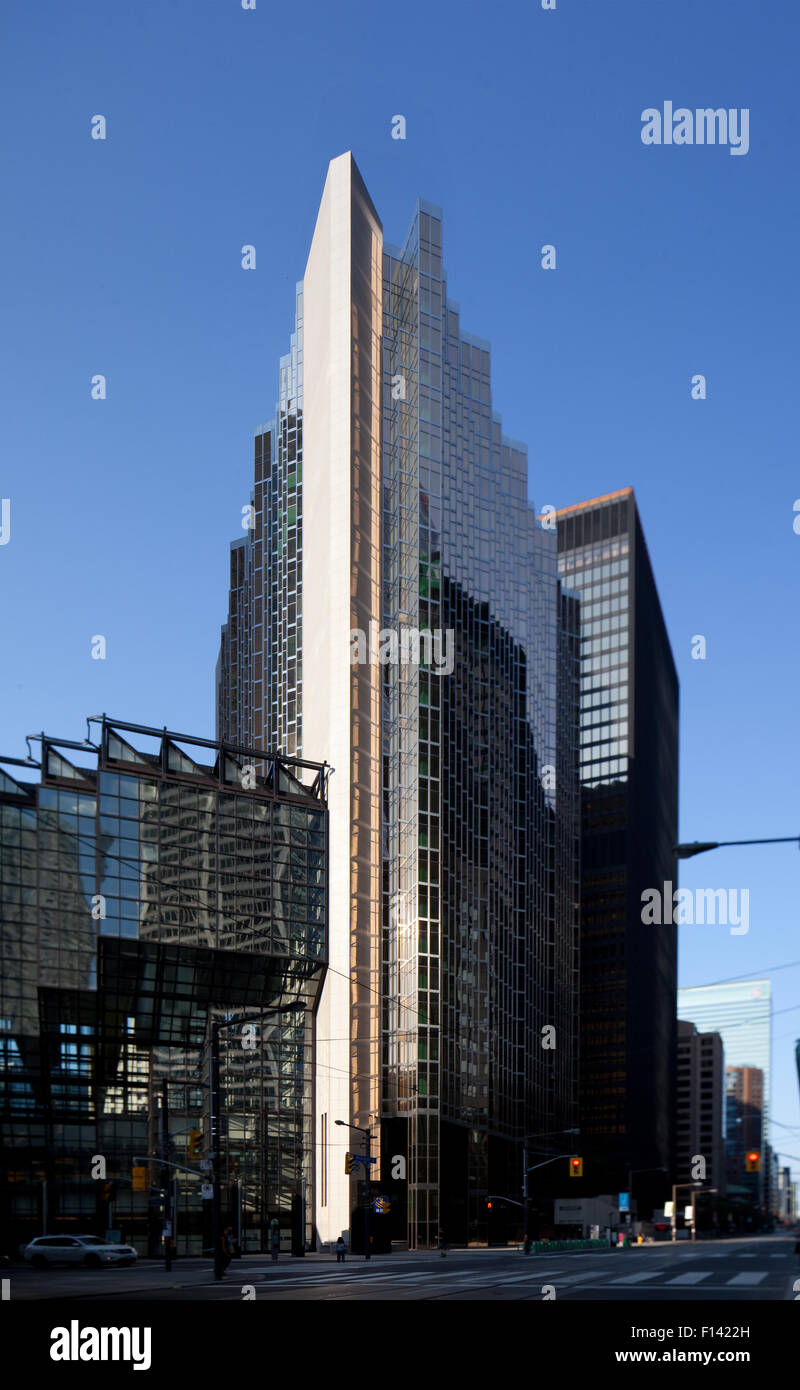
(367, 1133)
(687, 851)
(214, 1107)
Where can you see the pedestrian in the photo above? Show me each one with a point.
(441, 1244)
(275, 1240)
(226, 1253)
(340, 1250)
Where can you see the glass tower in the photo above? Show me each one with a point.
(388, 500)
(149, 884)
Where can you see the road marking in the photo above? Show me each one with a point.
(532, 1277)
(637, 1278)
(753, 1276)
(693, 1278)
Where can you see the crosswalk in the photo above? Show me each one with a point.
(457, 1278)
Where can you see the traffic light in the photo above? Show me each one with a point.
(576, 1167)
(195, 1143)
(108, 1191)
(752, 1161)
(488, 1206)
(348, 1163)
(139, 1183)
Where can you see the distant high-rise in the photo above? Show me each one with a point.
(700, 1127)
(742, 1013)
(396, 608)
(629, 776)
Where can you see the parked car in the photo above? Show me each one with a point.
(91, 1251)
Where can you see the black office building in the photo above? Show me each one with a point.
(629, 810)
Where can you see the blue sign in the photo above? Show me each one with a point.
(624, 1201)
(362, 1158)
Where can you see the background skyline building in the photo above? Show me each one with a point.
(742, 1013)
(629, 807)
(700, 1128)
(386, 494)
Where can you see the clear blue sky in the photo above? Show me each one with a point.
(123, 258)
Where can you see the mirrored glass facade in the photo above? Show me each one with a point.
(147, 887)
(474, 926)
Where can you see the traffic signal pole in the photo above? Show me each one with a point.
(525, 1196)
(214, 1155)
(164, 1183)
(368, 1186)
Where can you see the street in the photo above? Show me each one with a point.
(754, 1268)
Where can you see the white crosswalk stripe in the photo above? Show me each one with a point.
(753, 1276)
(692, 1278)
(637, 1278)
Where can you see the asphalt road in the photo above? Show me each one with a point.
(760, 1267)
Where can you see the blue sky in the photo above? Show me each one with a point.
(122, 257)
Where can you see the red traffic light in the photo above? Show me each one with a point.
(488, 1206)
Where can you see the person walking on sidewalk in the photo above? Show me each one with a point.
(340, 1250)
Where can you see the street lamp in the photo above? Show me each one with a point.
(367, 1133)
(700, 846)
(214, 1108)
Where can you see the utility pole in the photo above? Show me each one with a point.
(368, 1165)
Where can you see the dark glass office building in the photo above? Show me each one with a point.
(387, 499)
(149, 884)
(629, 823)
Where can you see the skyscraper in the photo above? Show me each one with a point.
(396, 607)
(629, 784)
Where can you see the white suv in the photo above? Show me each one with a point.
(82, 1250)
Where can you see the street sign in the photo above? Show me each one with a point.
(205, 1165)
(206, 1190)
(624, 1201)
